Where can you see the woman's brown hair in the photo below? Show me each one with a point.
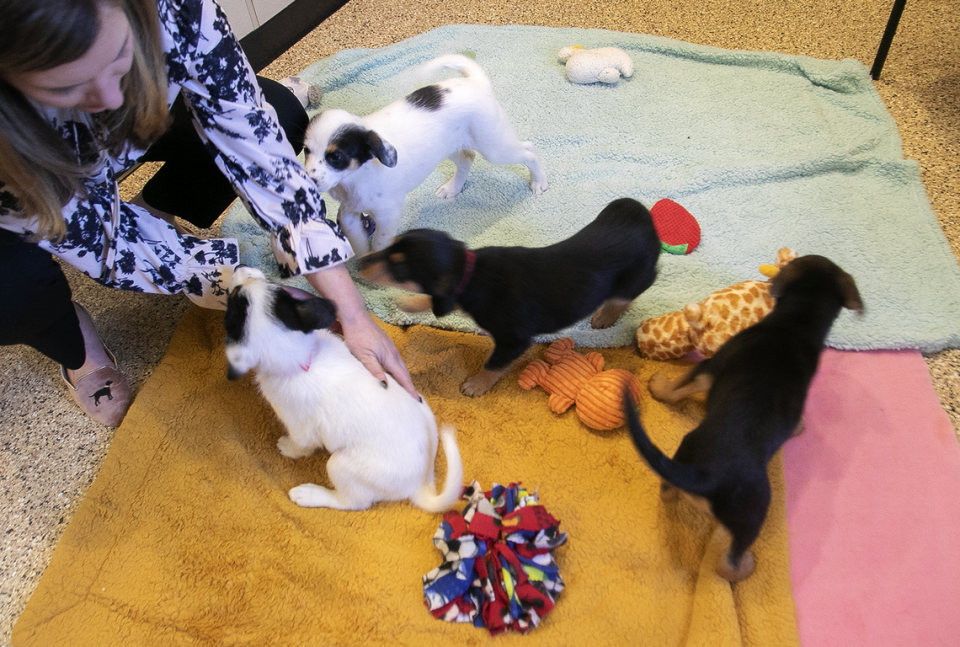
(36, 165)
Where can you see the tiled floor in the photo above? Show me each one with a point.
(50, 453)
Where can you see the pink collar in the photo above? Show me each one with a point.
(467, 271)
(313, 354)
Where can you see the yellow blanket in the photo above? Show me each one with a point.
(187, 537)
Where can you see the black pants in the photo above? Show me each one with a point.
(189, 185)
(37, 308)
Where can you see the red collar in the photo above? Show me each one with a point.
(471, 261)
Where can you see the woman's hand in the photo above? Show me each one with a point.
(365, 339)
(377, 352)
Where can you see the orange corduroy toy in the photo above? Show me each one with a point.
(571, 378)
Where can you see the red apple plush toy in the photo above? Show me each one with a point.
(679, 231)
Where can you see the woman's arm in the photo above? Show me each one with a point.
(250, 147)
(242, 131)
(365, 339)
(120, 246)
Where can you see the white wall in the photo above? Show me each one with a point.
(247, 15)
(267, 9)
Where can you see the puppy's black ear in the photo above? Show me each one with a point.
(851, 295)
(783, 277)
(305, 315)
(236, 317)
(317, 313)
(382, 149)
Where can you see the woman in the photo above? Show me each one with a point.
(87, 89)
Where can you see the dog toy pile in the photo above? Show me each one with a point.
(571, 378)
(498, 571)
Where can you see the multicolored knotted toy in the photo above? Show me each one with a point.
(497, 571)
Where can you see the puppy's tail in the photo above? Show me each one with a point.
(427, 498)
(463, 64)
(686, 477)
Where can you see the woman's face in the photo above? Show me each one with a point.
(92, 82)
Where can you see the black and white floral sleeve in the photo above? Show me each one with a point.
(243, 133)
(120, 245)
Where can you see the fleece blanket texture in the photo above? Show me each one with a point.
(765, 150)
(188, 537)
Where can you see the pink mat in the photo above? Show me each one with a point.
(873, 506)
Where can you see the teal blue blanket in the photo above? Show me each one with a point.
(765, 150)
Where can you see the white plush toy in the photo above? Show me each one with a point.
(604, 64)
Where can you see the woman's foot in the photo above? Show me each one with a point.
(98, 387)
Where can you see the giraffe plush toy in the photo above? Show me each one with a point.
(705, 326)
(571, 378)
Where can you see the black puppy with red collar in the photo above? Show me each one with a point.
(516, 293)
(757, 383)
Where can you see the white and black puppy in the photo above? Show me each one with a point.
(369, 164)
(382, 442)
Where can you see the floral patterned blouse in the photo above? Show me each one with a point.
(120, 245)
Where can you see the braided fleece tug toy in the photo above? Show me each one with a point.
(498, 571)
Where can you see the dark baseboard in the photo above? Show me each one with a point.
(271, 39)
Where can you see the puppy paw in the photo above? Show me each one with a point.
(609, 313)
(291, 449)
(538, 187)
(659, 386)
(449, 189)
(310, 495)
(737, 573)
(414, 302)
(475, 386)
(668, 493)
(603, 318)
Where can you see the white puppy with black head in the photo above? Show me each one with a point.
(369, 164)
(382, 442)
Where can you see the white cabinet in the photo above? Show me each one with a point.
(247, 15)
(267, 9)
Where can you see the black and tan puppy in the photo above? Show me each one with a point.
(757, 383)
(516, 293)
